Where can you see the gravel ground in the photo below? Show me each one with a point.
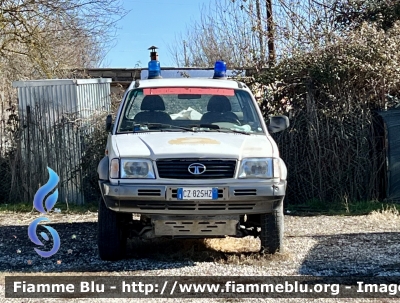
(314, 246)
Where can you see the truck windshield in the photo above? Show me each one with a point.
(189, 109)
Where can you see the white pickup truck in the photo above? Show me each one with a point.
(194, 159)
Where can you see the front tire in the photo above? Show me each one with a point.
(272, 226)
(111, 238)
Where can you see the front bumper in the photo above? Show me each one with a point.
(233, 199)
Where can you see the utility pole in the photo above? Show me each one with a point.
(260, 32)
(271, 34)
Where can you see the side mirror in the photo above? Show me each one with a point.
(278, 123)
(108, 123)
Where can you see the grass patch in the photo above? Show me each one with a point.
(317, 207)
(64, 208)
(387, 212)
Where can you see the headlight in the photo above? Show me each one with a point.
(131, 168)
(265, 168)
(138, 169)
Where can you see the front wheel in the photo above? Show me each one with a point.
(272, 226)
(111, 238)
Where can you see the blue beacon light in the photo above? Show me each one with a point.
(154, 64)
(220, 70)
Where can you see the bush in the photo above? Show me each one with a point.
(333, 147)
(93, 151)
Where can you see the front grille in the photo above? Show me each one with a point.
(245, 192)
(178, 168)
(149, 192)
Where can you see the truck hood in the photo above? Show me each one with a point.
(198, 145)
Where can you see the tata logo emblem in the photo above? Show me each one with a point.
(196, 168)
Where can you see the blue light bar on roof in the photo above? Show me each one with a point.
(220, 70)
(154, 64)
(154, 69)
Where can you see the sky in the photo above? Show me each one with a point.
(150, 22)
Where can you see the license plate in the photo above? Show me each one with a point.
(197, 193)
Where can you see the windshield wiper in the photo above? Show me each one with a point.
(216, 128)
(151, 127)
(202, 126)
(230, 130)
(160, 126)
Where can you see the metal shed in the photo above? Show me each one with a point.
(392, 130)
(55, 115)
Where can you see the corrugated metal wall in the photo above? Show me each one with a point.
(55, 116)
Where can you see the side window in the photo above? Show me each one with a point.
(133, 107)
(249, 112)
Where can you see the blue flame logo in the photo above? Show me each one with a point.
(49, 203)
(44, 190)
(32, 235)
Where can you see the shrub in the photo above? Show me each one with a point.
(333, 147)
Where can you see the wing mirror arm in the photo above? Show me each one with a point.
(109, 124)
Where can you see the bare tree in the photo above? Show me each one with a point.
(240, 31)
(56, 34)
(46, 39)
(223, 32)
